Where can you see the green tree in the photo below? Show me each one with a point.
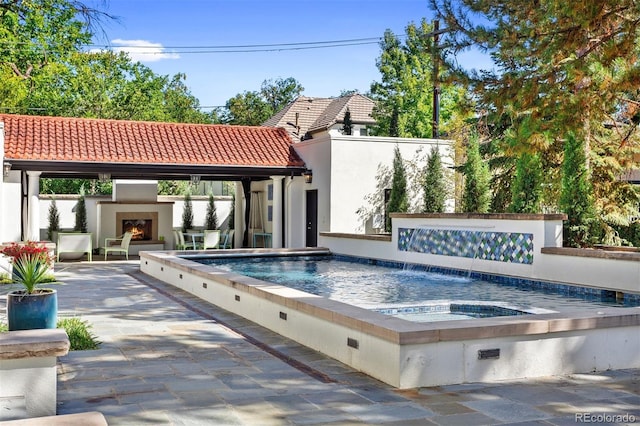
(280, 92)
(347, 126)
(232, 211)
(398, 200)
(81, 214)
(476, 197)
(44, 69)
(435, 192)
(173, 187)
(559, 69)
(187, 213)
(54, 220)
(527, 187)
(211, 220)
(576, 199)
(404, 96)
(252, 108)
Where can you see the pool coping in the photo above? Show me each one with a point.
(389, 328)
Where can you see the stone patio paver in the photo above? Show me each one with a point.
(170, 358)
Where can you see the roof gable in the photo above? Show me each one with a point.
(306, 114)
(41, 138)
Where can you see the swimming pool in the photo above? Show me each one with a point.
(381, 288)
(408, 354)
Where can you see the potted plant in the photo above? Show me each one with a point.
(32, 306)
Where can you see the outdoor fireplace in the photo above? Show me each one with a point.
(143, 225)
(142, 229)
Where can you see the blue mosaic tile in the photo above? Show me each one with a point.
(512, 247)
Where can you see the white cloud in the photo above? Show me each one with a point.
(143, 50)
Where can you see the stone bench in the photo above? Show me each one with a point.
(92, 418)
(28, 368)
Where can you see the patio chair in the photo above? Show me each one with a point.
(181, 244)
(122, 248)
(211, 239)
(227, 243)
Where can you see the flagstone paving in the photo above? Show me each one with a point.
(169, 358)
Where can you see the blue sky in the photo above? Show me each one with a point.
(170, 28)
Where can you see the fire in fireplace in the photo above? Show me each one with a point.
(140, 228)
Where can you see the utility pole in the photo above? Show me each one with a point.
(436, 81)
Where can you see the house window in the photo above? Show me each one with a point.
(364, 131)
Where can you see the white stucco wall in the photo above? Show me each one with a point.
(346, 171)
(10, 199)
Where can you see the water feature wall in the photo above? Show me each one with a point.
(507, 244)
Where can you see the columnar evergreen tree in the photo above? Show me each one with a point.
(347, 127)
(232, 213)
(576, 198)
(398, 200)
(81, 214)
(187, 213)
(527, 186)
(476, 197)
(211, 220)
(435, 192)
(54, 220)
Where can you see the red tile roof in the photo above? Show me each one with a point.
(42, 138)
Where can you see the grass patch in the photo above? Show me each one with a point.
(80, 334)
(47, 279)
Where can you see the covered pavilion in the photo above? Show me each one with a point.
(37, 147)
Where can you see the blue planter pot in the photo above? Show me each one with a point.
(31, 311)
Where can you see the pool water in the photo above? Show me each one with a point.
(373, 286)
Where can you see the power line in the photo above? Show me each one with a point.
(250, 46)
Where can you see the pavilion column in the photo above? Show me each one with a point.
(32, 231)
(276, 230)
(238, 217)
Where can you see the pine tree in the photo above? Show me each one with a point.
(476, 197)
(398, 200)
(54, 220)
(211, 221)
(576, 199)
(81, 214)
(435, 192)
(347, 127)
(187, 213)
(527, 186)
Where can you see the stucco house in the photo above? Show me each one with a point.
(292, 182)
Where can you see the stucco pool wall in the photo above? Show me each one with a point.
(409, 354)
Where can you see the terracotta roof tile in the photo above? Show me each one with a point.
(118, 141)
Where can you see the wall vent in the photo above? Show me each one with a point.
(489, 354)
(283, 316)
(237, 297)
(352, 343)
(204, 285)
